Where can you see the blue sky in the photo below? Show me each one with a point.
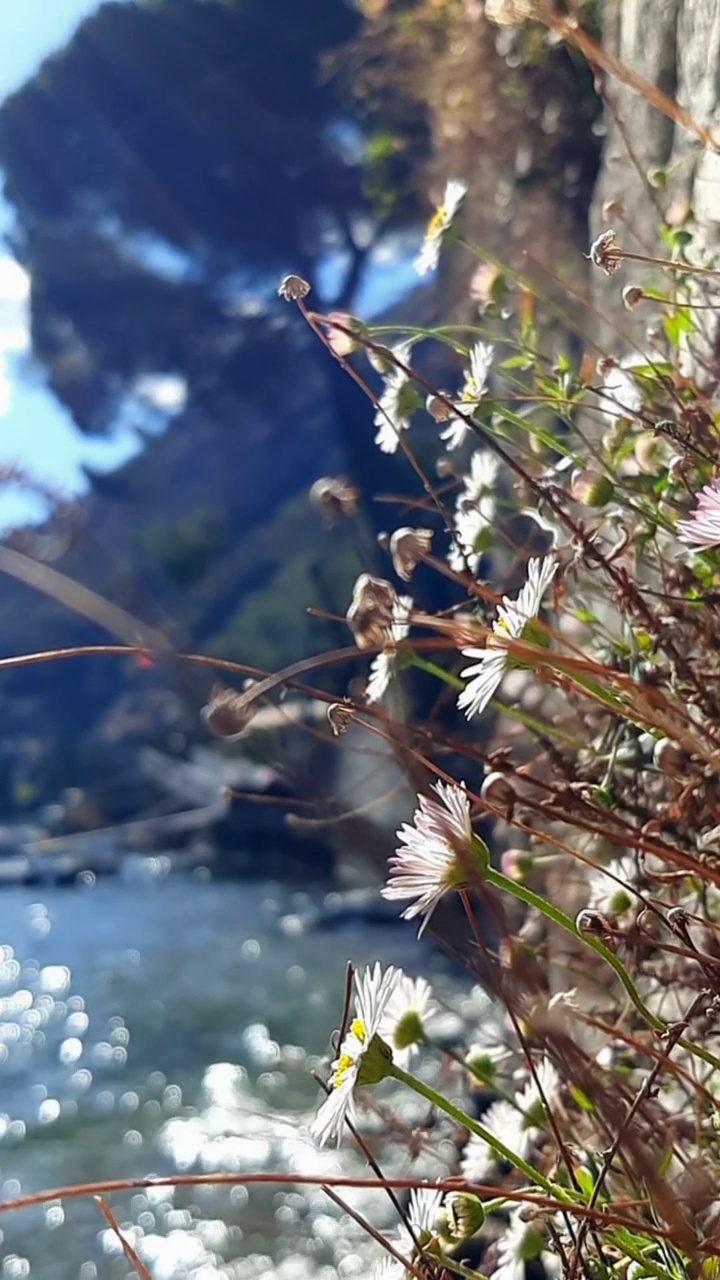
(34, 430)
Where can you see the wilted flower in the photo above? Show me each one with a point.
(372, 610)
(228, 713)
(363, 1058)
(605, 253)
(407, 548)
(339, 715)
(409, 1009)
(438, 407)
(485, 676)
(702, 528)
(333, 497)
(396, 403)
(292, 288)
(472, 392)
(384, 666)
(439, 226)
(435, 854)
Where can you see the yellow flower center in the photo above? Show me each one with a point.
(437, 222)
(346, 1060)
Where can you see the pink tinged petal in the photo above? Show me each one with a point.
(702, 528)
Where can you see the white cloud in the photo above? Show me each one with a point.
(14, 321)
(164, 391)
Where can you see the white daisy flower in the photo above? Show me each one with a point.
(474, 511)
(388, 1269)
(470, 529)
(423, 1208)
(432, 861)
(472, 392)
(485, 676)
(409, 1009)
(384, 666)
(604, 892)
(517, 1126)
(396, 403)
(438, 226)
(520, 1244)
(544, 1084)
(504, 1122)
(363, 1058)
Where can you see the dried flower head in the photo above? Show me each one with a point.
(339, 715)
(334, 497)
(228, 713)
(293, 288)
(372, 610)
(364, 1058)
(438, 227)
(606, 253)
(702, 528)
(407, 548)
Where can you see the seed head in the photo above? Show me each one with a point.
(339, 715)
(605, 253)
(632, 296)
(293, 288)
(371, 611)
(407, 548)
(334, 497)
(228, 713)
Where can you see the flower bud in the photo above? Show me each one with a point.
(439, 408)
(613, 209)
(632, 296)
(668, 757)
(516, 864)
(497, 790)
(228, 713)
(465, 1215)
(592, 487)
(341, 342)
(293, 288)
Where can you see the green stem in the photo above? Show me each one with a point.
(444, 1104)
(434, 669)
(559, 917)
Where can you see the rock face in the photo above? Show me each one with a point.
(675, 46)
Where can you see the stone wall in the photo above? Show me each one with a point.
(675, 45)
